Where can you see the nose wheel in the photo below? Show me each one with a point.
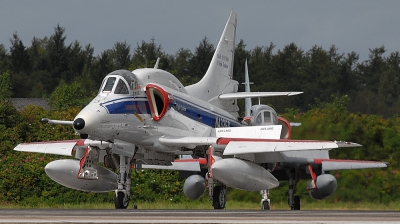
(265, 201)
(121, 200)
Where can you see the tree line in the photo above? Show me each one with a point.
(343, 100)
(373, 85)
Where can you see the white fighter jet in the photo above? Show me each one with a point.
(145, 118)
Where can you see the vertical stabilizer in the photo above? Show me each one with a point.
(247, 83)
(218, 78)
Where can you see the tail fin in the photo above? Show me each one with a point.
(247, 89)
(156, 65)
(218, 78)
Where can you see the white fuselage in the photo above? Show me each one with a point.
(133, 116)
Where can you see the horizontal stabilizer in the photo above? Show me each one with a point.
(263, 146)
(243, 95)
(337, 164)
(182, 166)
(64, 148)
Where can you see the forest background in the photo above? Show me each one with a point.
(343, 99)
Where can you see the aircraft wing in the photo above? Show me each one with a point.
(254, 145)
(245, 146)
(242, 95)
(64, 148)
(337, 164)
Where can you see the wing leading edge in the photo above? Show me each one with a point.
(337, 164)
(64, 148)
(242, 95)
(246, 146)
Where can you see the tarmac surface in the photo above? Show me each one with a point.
(194, 216)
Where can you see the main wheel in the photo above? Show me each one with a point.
(121, 202)
(219, 197)
(265, 205)
(296, 205)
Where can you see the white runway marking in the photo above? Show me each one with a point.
(196, 216)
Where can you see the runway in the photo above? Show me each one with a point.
(194, 216)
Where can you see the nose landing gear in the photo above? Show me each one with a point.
(122, 194)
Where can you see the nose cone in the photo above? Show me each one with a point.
(79, 124)
(87, 121)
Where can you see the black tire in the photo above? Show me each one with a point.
(219, 197)
(120, 201)
(265, 205)
(296, 204)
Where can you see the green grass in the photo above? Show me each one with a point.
(231, 205)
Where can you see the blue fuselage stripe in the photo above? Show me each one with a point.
(129, 105)
(202, 114)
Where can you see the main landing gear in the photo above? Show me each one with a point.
(219, 197)
(122, 194)
(293, 201)
(217, 194)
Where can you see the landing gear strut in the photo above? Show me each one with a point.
(217, 194)
(122, 194)
(293, 201)
(265, 201)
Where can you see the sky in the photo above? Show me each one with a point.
(356, 25)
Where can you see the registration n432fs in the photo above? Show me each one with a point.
(146, 117)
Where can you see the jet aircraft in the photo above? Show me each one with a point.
(146, 117)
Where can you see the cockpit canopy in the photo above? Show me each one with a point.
(124, 82)
(120, 82)
(263, 115)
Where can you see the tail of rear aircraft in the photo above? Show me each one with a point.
(218, 78)
(247, 83)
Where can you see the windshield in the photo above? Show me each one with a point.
(109, 84)
(121, 82)
(267, 117)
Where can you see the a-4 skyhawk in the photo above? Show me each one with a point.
(145, 118)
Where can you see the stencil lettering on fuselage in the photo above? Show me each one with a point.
(223, 61)
(221, 122)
